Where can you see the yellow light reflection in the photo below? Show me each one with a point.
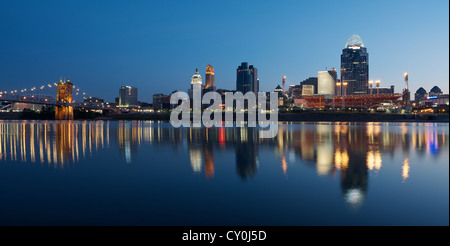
(405, 169)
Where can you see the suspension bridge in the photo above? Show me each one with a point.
(64, 102)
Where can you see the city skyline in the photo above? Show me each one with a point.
(99, 44)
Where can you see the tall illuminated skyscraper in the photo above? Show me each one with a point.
(247, 78)
(210, 83)
(355, 67)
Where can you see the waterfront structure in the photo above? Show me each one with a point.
(210, 84)
(247, 78)
(435, 91)
(352, 101)
(308, 90)
(20, 107)
(382, 90)
(128, 96)
(379, 90)
(161, 101)
(420, 93)
(64, 95)
(94, 100)
(355, 67)
(280, 95)
(325, 83)
(310, 81)
(440, 101)
(295, 91)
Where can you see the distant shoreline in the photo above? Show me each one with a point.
(282, 117)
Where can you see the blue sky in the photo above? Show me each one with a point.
(157, 45)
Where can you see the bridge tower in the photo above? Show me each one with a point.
(64, 95)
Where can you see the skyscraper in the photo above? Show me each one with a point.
(247, 78)
(196, 79)
(210, 83)
(355, 67)
(128, 96)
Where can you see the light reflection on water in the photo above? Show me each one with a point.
(352, 151)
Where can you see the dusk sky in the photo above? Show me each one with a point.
(157, 45)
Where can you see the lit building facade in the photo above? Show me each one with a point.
(325, 83)
(308, 90)
(196, 79)
(210, 83)
(128, 96)
(355, 67)
(309, 81)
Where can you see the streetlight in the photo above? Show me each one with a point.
(370, 85)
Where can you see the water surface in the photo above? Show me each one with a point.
(149, 173)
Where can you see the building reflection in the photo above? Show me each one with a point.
(350, 151)
(246, 147)
(56, 144)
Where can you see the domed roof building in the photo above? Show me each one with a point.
(420, 93)
(435, 91)
(354, 67)
(354, 41)
(196, 78)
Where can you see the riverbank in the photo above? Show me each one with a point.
(297, 116)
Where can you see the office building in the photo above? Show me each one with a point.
(128, 96)
(210, 84)
(354, 67)
(247, 78)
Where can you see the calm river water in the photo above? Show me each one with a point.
(149, 173)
